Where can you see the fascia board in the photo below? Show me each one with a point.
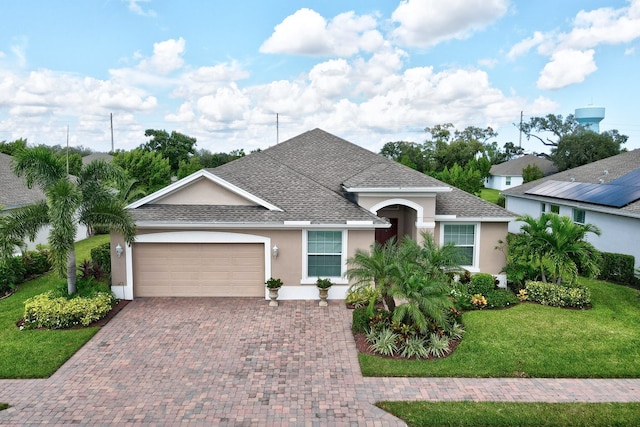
(254, 225)
(399, 190)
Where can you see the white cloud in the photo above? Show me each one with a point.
(167, 57)
(425, 23)
(306, 32)
(526, 45)
(566, 67)
(135, 7)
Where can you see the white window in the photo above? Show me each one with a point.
(508, 180)
(463, 236)
(579, 216)
(324, 253)
(543, 207)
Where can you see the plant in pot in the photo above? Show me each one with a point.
(323, 288)
(273, 285)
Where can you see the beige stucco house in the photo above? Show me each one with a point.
(296, 211)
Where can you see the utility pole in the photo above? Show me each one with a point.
(111, 119)
(520, 141)
(67, 149)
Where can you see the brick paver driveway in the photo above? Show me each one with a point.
(239, 362)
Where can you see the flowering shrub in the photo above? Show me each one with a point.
(479, 300)
(558, 295)
(522, 295)
(53, 312)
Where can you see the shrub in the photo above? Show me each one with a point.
(500, 298)
(415, 347)
(438, 345)
(102, 255)
(360, 321)
(478, 301)
(482, 283)
(12, 273)
(36, 262)
(363, 296)
(383, 341)
(91, 270)
(461, 296)
(576, 296)
(54, 312)
(617, 268)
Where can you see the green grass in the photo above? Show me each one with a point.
(530, 340)
(490, 195)
(39, 353)
(459, 414)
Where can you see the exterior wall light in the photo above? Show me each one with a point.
(119, 250)
(275, 251)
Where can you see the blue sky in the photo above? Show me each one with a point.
(369, 71)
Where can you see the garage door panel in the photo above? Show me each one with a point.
(198, 269)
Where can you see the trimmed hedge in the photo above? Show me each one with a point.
(16, 269)
(482, 283)
(617, 268)
(54, 312)
(102, 255)
(557, 295)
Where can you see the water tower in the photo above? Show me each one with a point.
(590, 117)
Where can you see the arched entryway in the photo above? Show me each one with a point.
(403, 222)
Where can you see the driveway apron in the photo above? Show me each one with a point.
(233, 361)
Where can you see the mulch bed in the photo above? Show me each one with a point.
(363, 347)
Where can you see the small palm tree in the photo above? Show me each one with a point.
(377, 267)
(68, 201)
(559, 245)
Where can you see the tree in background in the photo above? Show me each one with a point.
(531, 173)
(583, 147)
(467, 179)
(508, 152)
(12, 147)
(407, 153)
(175, 147)
(87, 200)
(150, 170)
(553, 127)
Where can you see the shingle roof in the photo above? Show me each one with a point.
(13, 191)
(514, 167)
(97, 156)
(305, 177)
(603, 171)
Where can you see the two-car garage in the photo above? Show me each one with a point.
(192, 264)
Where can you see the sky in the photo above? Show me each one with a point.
(247, 74)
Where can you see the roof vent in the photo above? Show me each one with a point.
(606, 172)
(573, 179)
(601, 181)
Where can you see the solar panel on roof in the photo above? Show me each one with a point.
(632, 179)
(613, 195)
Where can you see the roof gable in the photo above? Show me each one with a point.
(229, 193)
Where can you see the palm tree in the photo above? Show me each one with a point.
(559, 244)
(376, 267)
(85, 199)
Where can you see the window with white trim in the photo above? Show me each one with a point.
(508, 180)
(543, 207)
(324, 253)
(555, 209)
(579, 216)
(463, 237)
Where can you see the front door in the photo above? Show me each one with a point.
(384, 234)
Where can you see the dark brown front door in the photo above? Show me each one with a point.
(384, 234)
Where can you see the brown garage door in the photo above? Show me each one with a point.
(198, 269)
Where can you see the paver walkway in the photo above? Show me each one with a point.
(239, 362)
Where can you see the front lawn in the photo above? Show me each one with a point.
(39, 353)
(490, 195)
(531, 340)
(495, 414)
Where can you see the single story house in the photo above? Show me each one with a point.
(509, 174)
(15, 194)
(295, 211)
(605, 193)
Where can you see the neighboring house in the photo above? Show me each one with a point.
(296, 211)
(605, 193)
(15, 194)
(97, 156)
(509, 174)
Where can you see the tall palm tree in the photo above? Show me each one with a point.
(85, 199)
(560, 246)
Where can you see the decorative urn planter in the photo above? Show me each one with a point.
(274, 286)
(323, 290)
